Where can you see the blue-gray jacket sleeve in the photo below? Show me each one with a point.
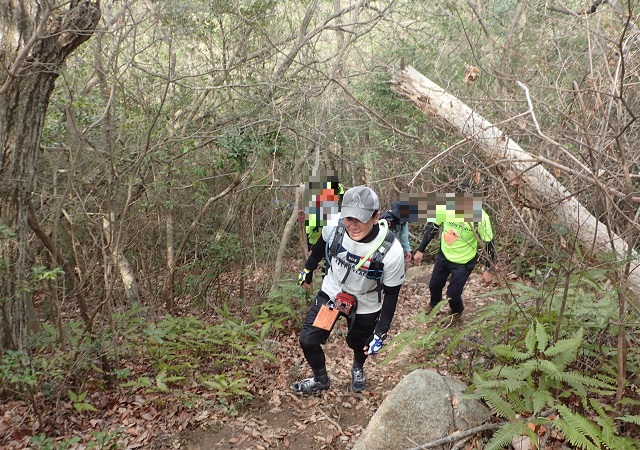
(404, 237)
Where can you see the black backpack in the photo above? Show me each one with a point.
(394, 224)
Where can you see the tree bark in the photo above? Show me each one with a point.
(120, 261)
(540, 188)
(169, 290)
(36, 39)
(69, 273)
(342, 48)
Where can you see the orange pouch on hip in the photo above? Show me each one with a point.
(326, 317)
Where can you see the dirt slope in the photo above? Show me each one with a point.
(277, 418)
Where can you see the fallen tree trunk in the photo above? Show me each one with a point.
(536, 183)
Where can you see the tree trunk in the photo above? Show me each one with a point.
(536, 183)
(35, 42)
(302, 228)
(126, 271)
(342, 48)
(69, 272)
(286, 234)
(168, 290)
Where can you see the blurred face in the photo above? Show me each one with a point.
(359, 230)
(464, 205)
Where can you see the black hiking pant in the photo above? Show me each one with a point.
(459, 276)
(312, 338)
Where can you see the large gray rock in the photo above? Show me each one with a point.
(423, 407)
(420, 274)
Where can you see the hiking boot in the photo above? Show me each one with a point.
(456, 319)
(310, 386)
(452, 320)
(358, 383)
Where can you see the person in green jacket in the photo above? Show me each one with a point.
(458, 252)
(313, 229)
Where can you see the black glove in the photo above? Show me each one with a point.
(305, 277)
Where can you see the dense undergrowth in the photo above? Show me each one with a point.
(546, 361)
(176, 355)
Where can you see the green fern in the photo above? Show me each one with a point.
(548, 368)
(509, 352)
(630, 419)
(520, 372)
(540, 400)
(610, 429)
(566, 346)
(519, 401)
(505, 434)
(404, 340)
(533, 378)
(535, 373)
(498, 404)
(587, 434)
(530, 341)
(629, 401)
(580, 380)
(580, 431)
(508, 381)
(541, 336)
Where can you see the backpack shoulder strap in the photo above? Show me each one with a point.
(338, 236)
(382, 251)
(379, 255)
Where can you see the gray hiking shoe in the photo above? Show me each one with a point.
(358, 382)
(309, 386)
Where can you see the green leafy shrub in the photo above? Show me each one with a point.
(545, 355)
(216, 257)
(23, 375)
(534, 377)
(100, 440)
(286, 302)
(79, 401)
(184, 350)
(16, 369)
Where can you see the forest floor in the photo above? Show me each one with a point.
(274, 418)
(195, 418)
(335, 419)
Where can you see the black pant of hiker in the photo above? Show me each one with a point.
(312, 338)
(459, 276)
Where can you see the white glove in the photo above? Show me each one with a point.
(375, 345)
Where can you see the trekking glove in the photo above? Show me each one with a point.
(305, 277)
(375, 344)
